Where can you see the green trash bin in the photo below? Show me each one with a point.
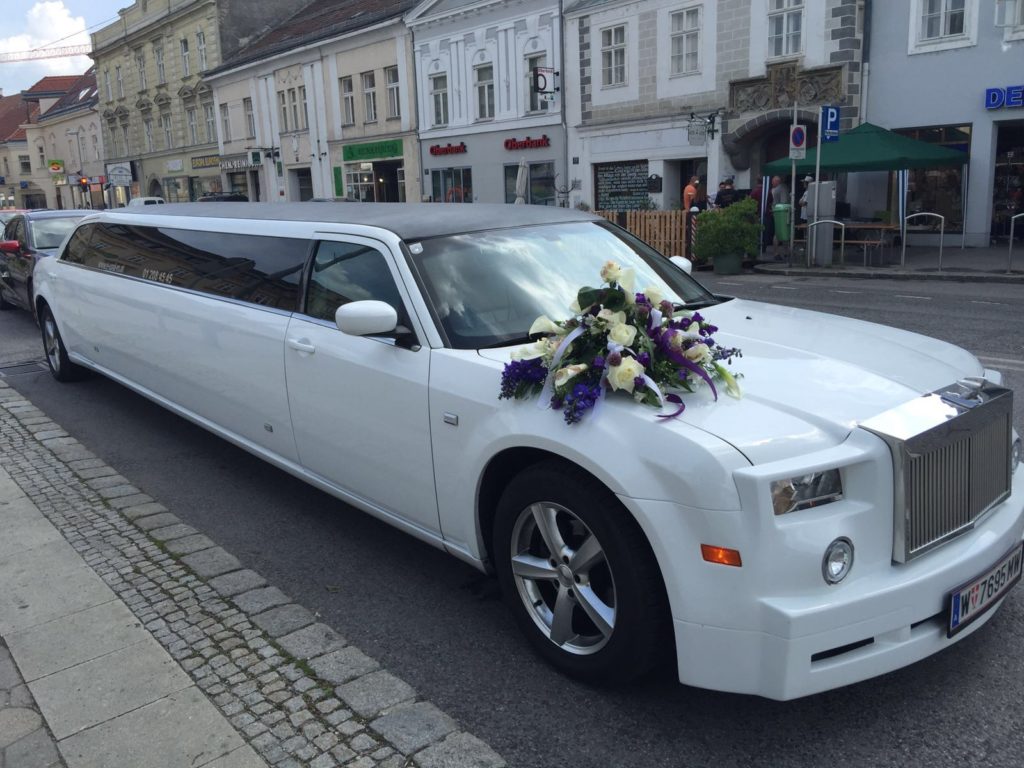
(781, 213)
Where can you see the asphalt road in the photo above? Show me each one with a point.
(440, 625)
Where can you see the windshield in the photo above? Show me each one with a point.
(50, 233)
(487, 288)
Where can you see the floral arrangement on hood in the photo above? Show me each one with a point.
(618, 341)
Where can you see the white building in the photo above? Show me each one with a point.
(321, 107)
(659, 90)
(487, 75)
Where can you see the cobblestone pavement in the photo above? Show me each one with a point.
(295, 690)
(25, 741)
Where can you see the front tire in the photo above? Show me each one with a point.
(579, 576)
(61, 368)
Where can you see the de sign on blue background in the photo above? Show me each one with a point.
(1010, 96)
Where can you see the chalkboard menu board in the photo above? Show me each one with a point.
(621, 186)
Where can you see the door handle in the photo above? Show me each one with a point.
(301, 346)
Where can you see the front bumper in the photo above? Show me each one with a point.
(772, 627)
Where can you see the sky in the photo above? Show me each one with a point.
(29, 24)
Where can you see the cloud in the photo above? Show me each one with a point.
(45, 23)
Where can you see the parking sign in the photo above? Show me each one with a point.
(797, 142)
(829, 123)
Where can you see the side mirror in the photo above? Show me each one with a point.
(10, 246)
(366, 318)
(683, 263)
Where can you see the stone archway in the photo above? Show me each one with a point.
(740, 142)
(155, 189)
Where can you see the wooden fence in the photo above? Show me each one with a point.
(663, 230)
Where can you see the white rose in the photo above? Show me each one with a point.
(694, 328)
(654, 296)
(611, 272)
(621, 376)
(622, 334)
(562, 375)
(544, 324)
(612, 318)
(699, 353)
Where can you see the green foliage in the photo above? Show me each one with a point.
(732, 230)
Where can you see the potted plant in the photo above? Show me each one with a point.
(727, 235)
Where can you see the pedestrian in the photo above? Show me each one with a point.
(726, 194)
(779, 196)
(803, 198)
(690, 192)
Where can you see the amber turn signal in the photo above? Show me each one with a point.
(721, 555)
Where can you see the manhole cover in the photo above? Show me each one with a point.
(15, 369)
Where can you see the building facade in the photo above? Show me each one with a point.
(668, 89)
(975, 49)
(159, 116)
(323, 107)
(68, 132)
(488, 78)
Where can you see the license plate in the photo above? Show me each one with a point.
(978, 595)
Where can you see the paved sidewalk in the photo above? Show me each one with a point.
(130, 640)
(987, 265)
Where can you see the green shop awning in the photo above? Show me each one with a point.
(871, 148)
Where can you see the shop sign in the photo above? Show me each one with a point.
(205, 161)
(449, 149)
(514, 144)
(120, 174)
(56, 166)
(238, 163)
(175, 165)
(59, 181)
(1010, 96)
(371, 150)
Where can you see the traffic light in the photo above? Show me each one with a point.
(83, 182)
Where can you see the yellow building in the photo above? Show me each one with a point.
(159, 116)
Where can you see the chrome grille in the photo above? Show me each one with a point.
(951, 462)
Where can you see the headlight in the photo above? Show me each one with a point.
(806, 491)
(1015, 455)
(838, 561)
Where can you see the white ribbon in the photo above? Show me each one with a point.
(544, 401)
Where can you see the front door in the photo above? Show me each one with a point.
(358, 403)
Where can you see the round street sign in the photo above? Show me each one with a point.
(797, 136)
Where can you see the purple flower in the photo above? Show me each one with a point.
(614, 359)
(644, 359)
(597, 363)
(580, 400)
(666, 308)
(639, 384)
(643, 311)
(641, 301)
(696, 318)
(556, 402)
(521, 377)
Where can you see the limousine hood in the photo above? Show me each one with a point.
(809, 378)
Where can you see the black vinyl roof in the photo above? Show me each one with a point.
(410, 221)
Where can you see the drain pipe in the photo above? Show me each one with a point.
(865, 66)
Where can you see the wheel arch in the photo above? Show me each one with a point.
(508, 463)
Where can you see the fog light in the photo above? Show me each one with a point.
(1015, 455)
(837, 561)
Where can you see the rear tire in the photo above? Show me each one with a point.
(61, 368)
(579, 575)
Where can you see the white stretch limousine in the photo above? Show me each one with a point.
(858, 508)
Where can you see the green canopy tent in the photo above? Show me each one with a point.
(869, 147)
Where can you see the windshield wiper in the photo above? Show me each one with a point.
(702, 304)
(509, 342)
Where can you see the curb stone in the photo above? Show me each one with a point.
(260, 658)
(25, 739)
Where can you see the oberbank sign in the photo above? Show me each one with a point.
(1010, 96)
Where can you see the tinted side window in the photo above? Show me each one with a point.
(78, 246)
(115, 248)
(344, 272)
(261, 270)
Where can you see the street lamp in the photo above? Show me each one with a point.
(77, 133)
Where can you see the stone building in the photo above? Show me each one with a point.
(159, 116)
(322, 106)
(659, 90)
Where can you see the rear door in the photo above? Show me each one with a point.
(359, 404)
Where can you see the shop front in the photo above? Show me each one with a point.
(241, 174)
(374, 171)
(484, 167)
(205, 177)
